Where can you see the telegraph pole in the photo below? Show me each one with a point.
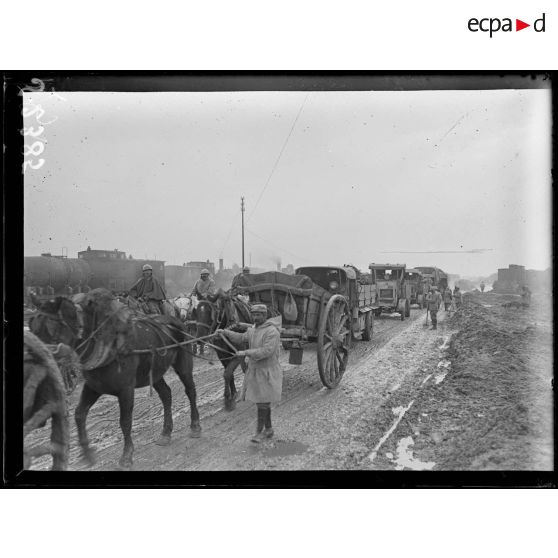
(242, 209)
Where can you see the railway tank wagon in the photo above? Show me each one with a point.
(110, 269)
(55, 271)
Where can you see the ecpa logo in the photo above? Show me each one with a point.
(492, 25)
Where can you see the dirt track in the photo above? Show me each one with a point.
(394, 409)
(312, 423)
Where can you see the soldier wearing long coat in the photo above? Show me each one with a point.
(264, 377)
(433, 300)
(149, 289)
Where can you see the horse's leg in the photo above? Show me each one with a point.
(60, 438)
(126, 402)
(86, 401)
(230, 388)
(184, 367)
(164, 391)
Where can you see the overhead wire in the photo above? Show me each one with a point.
(229, 233)
(278, 158)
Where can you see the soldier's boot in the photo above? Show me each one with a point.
(259, 436)
(268, 431)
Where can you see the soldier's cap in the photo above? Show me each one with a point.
(204, 272)
(259, 308)
(245, 269)
(147, 267)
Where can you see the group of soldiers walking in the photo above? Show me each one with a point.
(452, 301)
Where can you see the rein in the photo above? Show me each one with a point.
(98, 328)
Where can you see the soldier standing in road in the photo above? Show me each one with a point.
(264, 377)
(526, 295)
(148, 289)
(447, 298)
(482, 286)
(434, 301)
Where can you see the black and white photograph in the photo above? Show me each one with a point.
(287, 273)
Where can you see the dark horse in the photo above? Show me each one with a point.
(43, 399)
(123, 350)
(225, 312)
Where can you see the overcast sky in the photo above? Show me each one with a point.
(328, 177)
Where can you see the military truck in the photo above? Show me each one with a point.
(419, 286)
(393, 294)
(435, 277)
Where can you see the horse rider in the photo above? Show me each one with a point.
(264, 377)
(433, 301)
(148, 289)
(204, 287)
(457, 297)
(447, 298)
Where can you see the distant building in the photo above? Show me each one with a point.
(515, 276)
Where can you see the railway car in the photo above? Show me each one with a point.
(112, 269)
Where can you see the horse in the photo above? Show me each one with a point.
(44, 398)
(225, 311)
(167, 307)
(123, 350)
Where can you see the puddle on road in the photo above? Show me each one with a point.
(284, 449)
(445, 344)
(405, 458)
(441, 375)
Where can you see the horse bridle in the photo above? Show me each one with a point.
(59, 318)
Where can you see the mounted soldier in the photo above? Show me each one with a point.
(204, 287)
(148, 289)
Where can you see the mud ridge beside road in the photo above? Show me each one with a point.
(493, 410)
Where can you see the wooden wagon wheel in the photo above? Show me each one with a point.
(334, 338)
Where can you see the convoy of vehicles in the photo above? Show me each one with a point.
(393, 294)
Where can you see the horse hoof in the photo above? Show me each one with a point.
(163, 440)
(230, 404)
(88, 458)
(195, 432)
(125, 464)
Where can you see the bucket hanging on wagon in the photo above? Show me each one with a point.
(295, 354)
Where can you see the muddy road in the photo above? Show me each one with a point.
(315, 428)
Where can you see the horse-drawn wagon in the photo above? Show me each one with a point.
(327, 305)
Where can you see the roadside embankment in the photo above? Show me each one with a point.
(493, 411)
